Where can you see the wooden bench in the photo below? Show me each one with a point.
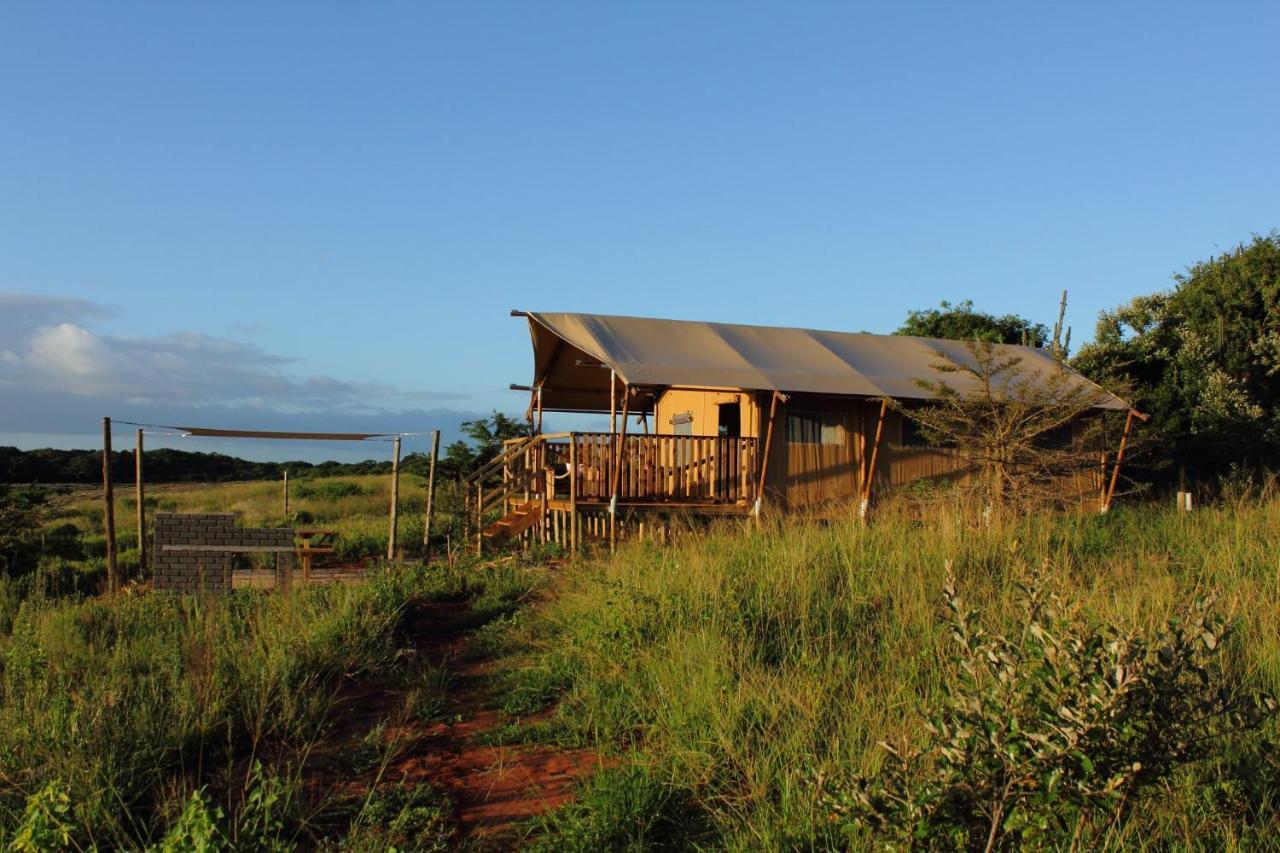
(315, 540)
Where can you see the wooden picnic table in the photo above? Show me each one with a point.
(314, 540)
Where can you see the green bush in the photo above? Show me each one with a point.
(401, 817)
(328, 490)
(1049, 737)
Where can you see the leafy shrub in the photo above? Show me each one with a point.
(195, 829)
(358, 545)
(328, 490)
(46, 821)
(401, 817)
(1053, 735)
(269, 805)
(63, 540)
(21, 511)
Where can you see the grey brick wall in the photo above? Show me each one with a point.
(209, 571)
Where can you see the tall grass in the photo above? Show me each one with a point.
(128, 707)
(739, 665)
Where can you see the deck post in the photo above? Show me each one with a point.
(395, 498)
(870, 477)
(431, 497)
(479, 518)
(142, 511)
(573, 492)
(109, 511)
(1115, 469)
(764, 459)
(618, 453)
(613, 402)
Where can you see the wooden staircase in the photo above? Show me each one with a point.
(520, 519)
(520, 467)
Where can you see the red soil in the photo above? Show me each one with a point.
(493, 788)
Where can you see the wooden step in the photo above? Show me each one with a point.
(520, 519)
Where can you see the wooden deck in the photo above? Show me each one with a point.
(689, 470)
(570, 478)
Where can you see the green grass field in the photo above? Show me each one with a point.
(725, 673)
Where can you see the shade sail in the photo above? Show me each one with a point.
(266, 433)
(574, 352)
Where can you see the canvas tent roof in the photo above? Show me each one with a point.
(570, 351)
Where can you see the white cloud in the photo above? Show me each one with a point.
(69, 354)
(49, 349)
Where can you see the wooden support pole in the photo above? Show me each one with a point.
(1115, 469)
(109, 511)
(139, 492)
(768, 446)
(619, 452)
(573, 492)
(480, 518)
(613, 402)
(395, 498)
(870, 478)
(431, 497)
(538, 429)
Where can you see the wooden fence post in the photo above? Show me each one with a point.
(395, 498)
(286, 493)
(142, 504)
(109, 511)
(431, 497)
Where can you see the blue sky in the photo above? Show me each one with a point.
(320, 213)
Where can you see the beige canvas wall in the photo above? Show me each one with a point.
(809, 473)
(704, 407)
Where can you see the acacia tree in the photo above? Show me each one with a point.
(1020, 429)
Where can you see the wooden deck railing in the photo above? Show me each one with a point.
(693, 469)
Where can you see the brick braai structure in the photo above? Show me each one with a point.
(193, 551)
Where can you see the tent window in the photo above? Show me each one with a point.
(806, 428)
(912, 434)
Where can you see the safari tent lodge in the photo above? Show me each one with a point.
(714, 418)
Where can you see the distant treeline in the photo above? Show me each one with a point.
(168, 466)
(47, 465)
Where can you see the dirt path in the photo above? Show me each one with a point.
(493, 788)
